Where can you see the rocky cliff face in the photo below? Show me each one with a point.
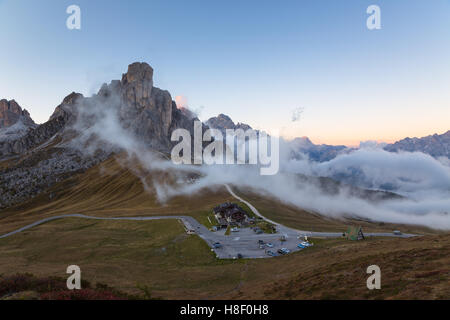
(11, 113)
(14, 122)
(434, 145)
(36, 135)
(39, 162)
(145, 111)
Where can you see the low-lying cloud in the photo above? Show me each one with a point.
(423, 181)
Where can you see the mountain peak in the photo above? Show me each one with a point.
(224, 116)
(223, 122)
(71, 98)
(138, 71)
(11, 113)
(303, 142)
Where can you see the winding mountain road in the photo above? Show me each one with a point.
(283, 229)
(244, 242)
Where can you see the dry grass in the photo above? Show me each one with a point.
(112, 190)
(107, 190)
(126, 255)
(160, 256)
(415, 268)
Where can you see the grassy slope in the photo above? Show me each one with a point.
(127, 254)
(124, 254)
(415, 268)
(112, 190)
(107, 190)
(160, 256)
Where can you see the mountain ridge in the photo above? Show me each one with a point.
(436, 145)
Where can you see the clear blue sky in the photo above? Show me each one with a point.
(256, 61)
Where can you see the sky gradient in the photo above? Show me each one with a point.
(256, 61)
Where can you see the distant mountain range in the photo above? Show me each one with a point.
(299, 146)
(435, 145)
(18, 132)
(320, 153)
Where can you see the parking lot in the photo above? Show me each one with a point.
(245, 242)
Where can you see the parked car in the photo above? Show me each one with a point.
(397, 232)
(235, 229)
(260, 242)
(217, 245)
(259, 231)
(306, 244)
(269, 245)
(270, 253)
(261, 246)
(301, 246)
(284, 251)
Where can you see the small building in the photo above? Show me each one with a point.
(230, 214)
(223, 223)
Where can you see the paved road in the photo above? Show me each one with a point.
(76, 215)
(244, 242)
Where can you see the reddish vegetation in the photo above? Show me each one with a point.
(83, 294)
(24, 282)
(55, 289)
